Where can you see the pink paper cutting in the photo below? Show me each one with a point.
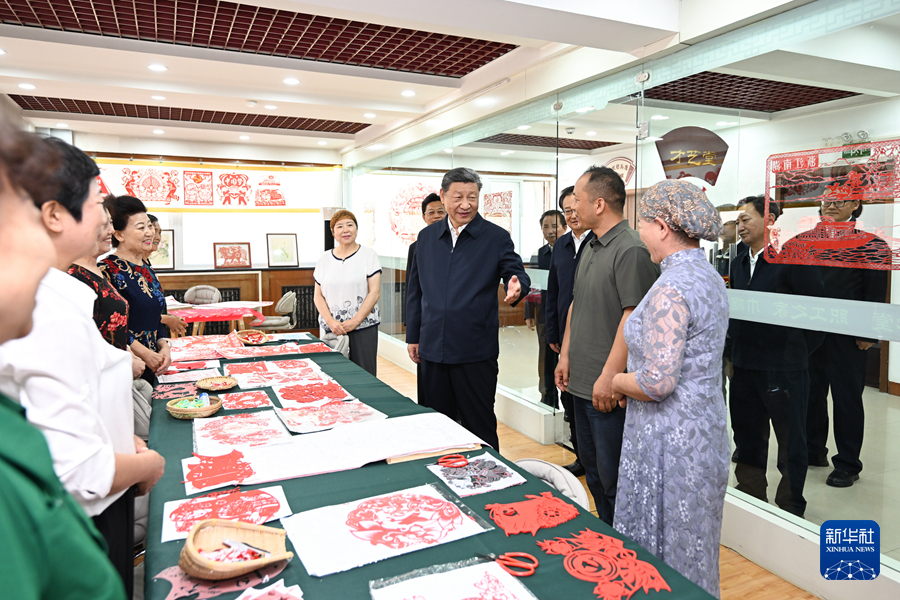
(328, 415)
(244, 400)
(185, 586)
(240, 430)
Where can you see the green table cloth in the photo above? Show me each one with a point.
(173, 439)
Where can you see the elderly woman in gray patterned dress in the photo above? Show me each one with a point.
(675, 453)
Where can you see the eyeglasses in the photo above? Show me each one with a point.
(835, 203)
(569, 212)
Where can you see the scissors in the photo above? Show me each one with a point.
(509, 560)
(453, 461)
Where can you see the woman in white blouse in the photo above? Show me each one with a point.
(348, 281)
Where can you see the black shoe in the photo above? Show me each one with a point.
(821, 461)
(734, 456)
(575, 468)
(839, 478)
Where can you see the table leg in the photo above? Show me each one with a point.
(202, 327)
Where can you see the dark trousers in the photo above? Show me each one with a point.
(756, 398)
(364, 348)
(568, 403)
(464, 392)
(600, 446)
(547, 360)
(116, 525)
(841, 365)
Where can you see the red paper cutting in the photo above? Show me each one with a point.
(603, 559)
(313, 392)
(169, 391)
(251, 367)
(316, 347)
(538, 512)
(403, 520)
(245, 400)
(215, 470)
(293, 364)
(245, 429)
(198, 188)
(184, 586)
(492, 589)
(254, 506)
(185, 366)
(328, 414)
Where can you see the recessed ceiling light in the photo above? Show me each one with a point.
(271, 106)
(377, 147)
(590, 133)
(726, 123)
(653, 139)
(158, 67)
(158, 131)
(291, 80)
(370, 115)
(26, 86)
(659, 117)
(507, 152)
(157, 97)
(585, 109)
(323, 143)
(448, 150)
(523, 127)
(62, 125)
(2, 51)
(245, 137)
(408, 93)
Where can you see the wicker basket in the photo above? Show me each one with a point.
(217, 384)
(248, 333)
(215, 403)
(209, 534)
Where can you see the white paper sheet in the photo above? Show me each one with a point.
(283, 337)
(327, 416)
(219, 435)
(177, 367)
(189, 375)
(341, 537)
(251, 506)
(301, 394)
(342, 449)
(276, 591)
(485, 580)
(483, 474)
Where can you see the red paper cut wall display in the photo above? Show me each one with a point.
(168, 391)
(498, 209)
(604, 560)
(313, 392)
(254, 506)
(151, 185)
(214, 470)
(244, 429)
(538, 512)
(316, 347)
(406, 211)
(234, 186)
(245, 400)
(403, 520)
(198, 188)
(268, 192)
(185, 586)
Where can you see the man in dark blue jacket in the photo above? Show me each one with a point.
(771, 366)
(560, 288)
(452, 318)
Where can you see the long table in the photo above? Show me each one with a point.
(173, 439)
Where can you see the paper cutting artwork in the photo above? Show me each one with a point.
(482, 581)
(294, 396)
(245, 400)
(168, 391)
(483, 474)
(328, 415)
(234, 186)
(251, 506)
(191, 366)
(256, 351)
(316, 347)
(336, 538)
(604, 560)
(151, 185)
(498, 209)
(276, 591)
(185, 586)
(268, 192)
(538, 512)
(273, 378)
(249, 367)
(406, 211)
(201, 347)
(189, 375)
(295, 364)
(213, 435)
(198, 188)
(215, 471)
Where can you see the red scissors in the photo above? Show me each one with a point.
(508, 560)
(453, 461)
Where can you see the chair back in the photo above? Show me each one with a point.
(558, 478)
(288, 306)
(202, 294)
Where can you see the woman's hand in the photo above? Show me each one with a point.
(336, 327)
(154, 360)
(137, 367)
(351, 324)
(176, 325)
(166, 355)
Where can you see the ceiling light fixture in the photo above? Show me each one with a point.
(158, 131)
(245, 137)
(407, 93)
(659, 117)
(590, 133)
(26, 86)
(62, 125)
(157, 97)
(448, 150)
(2, 51)
(507, 152)
(158, 67)
(726, 123)
(653, 139)
(585, 109)
(291, 80)
(323, 143)
(370, 115)
(271, 106)
(523, 127)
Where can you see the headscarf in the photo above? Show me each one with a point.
(683, 207)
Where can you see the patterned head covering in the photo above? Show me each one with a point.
(684, 207)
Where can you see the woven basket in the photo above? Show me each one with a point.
(215, 403)
(209, 383)
(209, 534)
(243, 335)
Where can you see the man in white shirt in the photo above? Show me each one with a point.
(75, 387)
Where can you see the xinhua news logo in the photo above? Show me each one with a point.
(850, 550)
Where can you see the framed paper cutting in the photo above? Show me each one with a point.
(282, 249)
(164, 257)
(233, 255)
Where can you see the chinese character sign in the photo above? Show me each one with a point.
(692, 152)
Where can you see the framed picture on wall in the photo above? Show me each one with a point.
(231, 255)
(164, 257)
(282, 249)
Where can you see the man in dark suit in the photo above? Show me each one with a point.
(432, 212)
(553, 225)
(452, 316)
(560, 288)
